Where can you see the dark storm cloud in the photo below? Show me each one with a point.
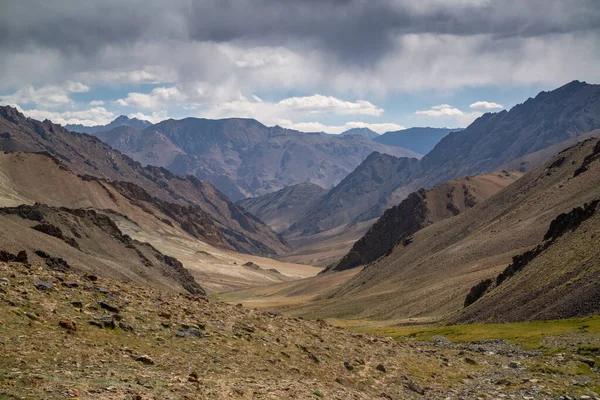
(352, 30)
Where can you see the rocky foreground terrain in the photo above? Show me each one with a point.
(66, 335)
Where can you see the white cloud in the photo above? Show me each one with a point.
(318, 104)
(45, 96)
(452, 115)
(290, 108)
(95, 103)
(337, 129)
(154, 117)
(89, 117)
(442, 110)
(485, 105)
(76, 87)
(160, 97)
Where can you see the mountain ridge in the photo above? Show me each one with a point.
(121, 120)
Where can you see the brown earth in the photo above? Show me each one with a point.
(61, 337)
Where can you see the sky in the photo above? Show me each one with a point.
(311, 65)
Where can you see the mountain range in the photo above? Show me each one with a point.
(88, 156)
(121, 120)
(491, 141)
(419, 139)
(529, 251)
(242, 157)
(365, 132)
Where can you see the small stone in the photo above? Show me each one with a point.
(92, 278)
(107, 321)
(188, 332)
(145, 359)
(470, 361)
(344, 382)
(514, 364)
(314, 357)
(381, 368)
(71, 284)
(103, 290)
(77, 304)
(348, 366)
(194, 377)
(415, 388)
(43, 285)
(69, 325)
(108, 307)
(144, 382)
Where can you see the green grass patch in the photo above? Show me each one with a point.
(527, 334)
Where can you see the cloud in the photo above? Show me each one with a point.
(96, 103)
(160, 97)
(451, 115)
(443, 110)
(286, 110)
(89, 117)
(318, 103)
(45, 96)
(337, 129)
(348, 46)
(485, 105)
(155, 117)
(76, 87)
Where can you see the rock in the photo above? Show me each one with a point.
(145, 359)
(68, 325)
(587, 361)
(43, 285)
(348, 366)
(345, 382)
(145, 382)
(71, 284)
(381, 367)
(194, 377)
(252, 266)
(415, 388)
(21, 257)
(103, 290)
(77, 304)
(92, 278)
(107, 321)
(273, 314)
(126, 327)
(188, 332)
(314, 357)
(108, 307)
(470, 361)
(514, 364)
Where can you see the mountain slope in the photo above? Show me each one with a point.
(490, 142)
(559, 278)
(419, 139)
(87, 155)
(495, 139)
(418, 210)
(121, 120)
(432, 275)
(181, 231)
(244, 158)
(281, 209)
(364, 132)
(88, 241)
(365, 186)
